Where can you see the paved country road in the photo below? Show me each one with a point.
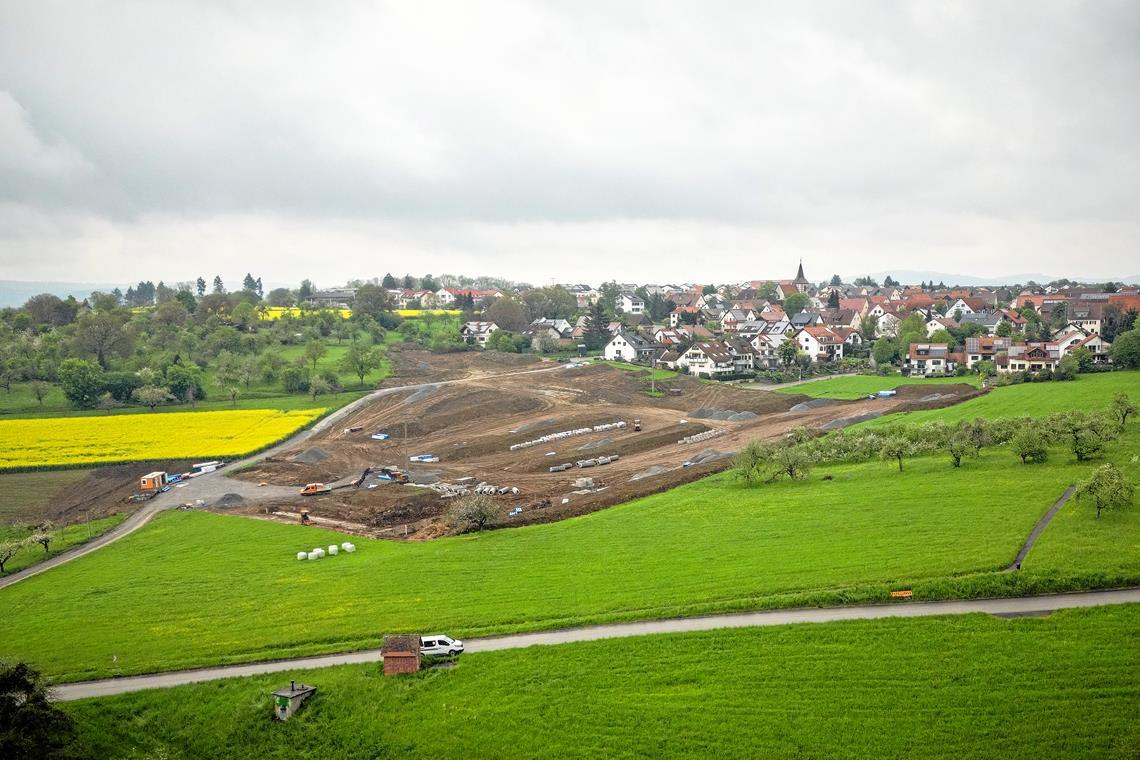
(211, 487)
(1012, 607)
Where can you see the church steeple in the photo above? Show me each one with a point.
(801, 282)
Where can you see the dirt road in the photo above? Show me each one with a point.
(1014, 607)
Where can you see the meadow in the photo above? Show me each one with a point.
(860, 386)
(1067, 685)
(195, 588)
(66, 537)
(1088, 392)
(80, 441)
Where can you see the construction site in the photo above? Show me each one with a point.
(545, 440)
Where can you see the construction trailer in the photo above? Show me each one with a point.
(152, 482)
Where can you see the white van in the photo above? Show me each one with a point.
(440, 645)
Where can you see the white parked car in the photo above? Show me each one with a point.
(440, 645)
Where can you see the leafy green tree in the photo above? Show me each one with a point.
(1108, 488)
(319, 386)
(896, 448)
(597, 333)
(389, 282)
(295, 379)
(835, 280)
(200, 287)
(751, 461)
(1123, 408)
(1126, 350)
(793, 461)
(185, 382)
(508, 313)
(82, 381)
(151, 396)
(958, 446)
(103, 334)
(787, 352)
(1004, 329)
(868, 326)
(371, 300)
(248, 283)
(314, 351)
(359, 361)
(1029, 443)
(31, 726)
(884, 351)
(305, 291)
(795, 303)
(833, 299)
(219, 286)
(282, 297)
(228, 375)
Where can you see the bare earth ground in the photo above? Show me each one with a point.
(471, 425)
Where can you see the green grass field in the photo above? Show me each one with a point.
(859, 386)
(1032, 399)
(645, 373)
(1067, 685)
(710, 546)
(66, 537)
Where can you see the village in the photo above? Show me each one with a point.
(738, 331)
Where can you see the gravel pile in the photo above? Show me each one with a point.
(315, 455)
(654, 470)
(230, 500)
(815, 403)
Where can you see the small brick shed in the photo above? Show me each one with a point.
(401, 654)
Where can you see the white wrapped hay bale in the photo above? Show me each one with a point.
(302, 555)
(332, 549)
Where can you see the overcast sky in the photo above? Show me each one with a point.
(576, 141)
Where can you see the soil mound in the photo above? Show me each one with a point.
(837, 424)
(315, 455)
(814, 403)
(230, 500)
(649, 473)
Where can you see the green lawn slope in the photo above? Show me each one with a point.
(1067, 685)
(860, 386)
(194, 589)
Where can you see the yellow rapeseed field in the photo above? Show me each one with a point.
(172, 435)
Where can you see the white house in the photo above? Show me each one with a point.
(478, 332)
(930, 359)
(628, 346)
(630, 304)
(709, 359)
(819, 342)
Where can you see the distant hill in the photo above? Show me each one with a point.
(16, 292)
(913, 277)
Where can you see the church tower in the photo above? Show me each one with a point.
(801, 282)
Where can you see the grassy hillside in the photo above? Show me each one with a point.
(709, 546)
(970, 687)
(1032, 399)
(859, 386)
